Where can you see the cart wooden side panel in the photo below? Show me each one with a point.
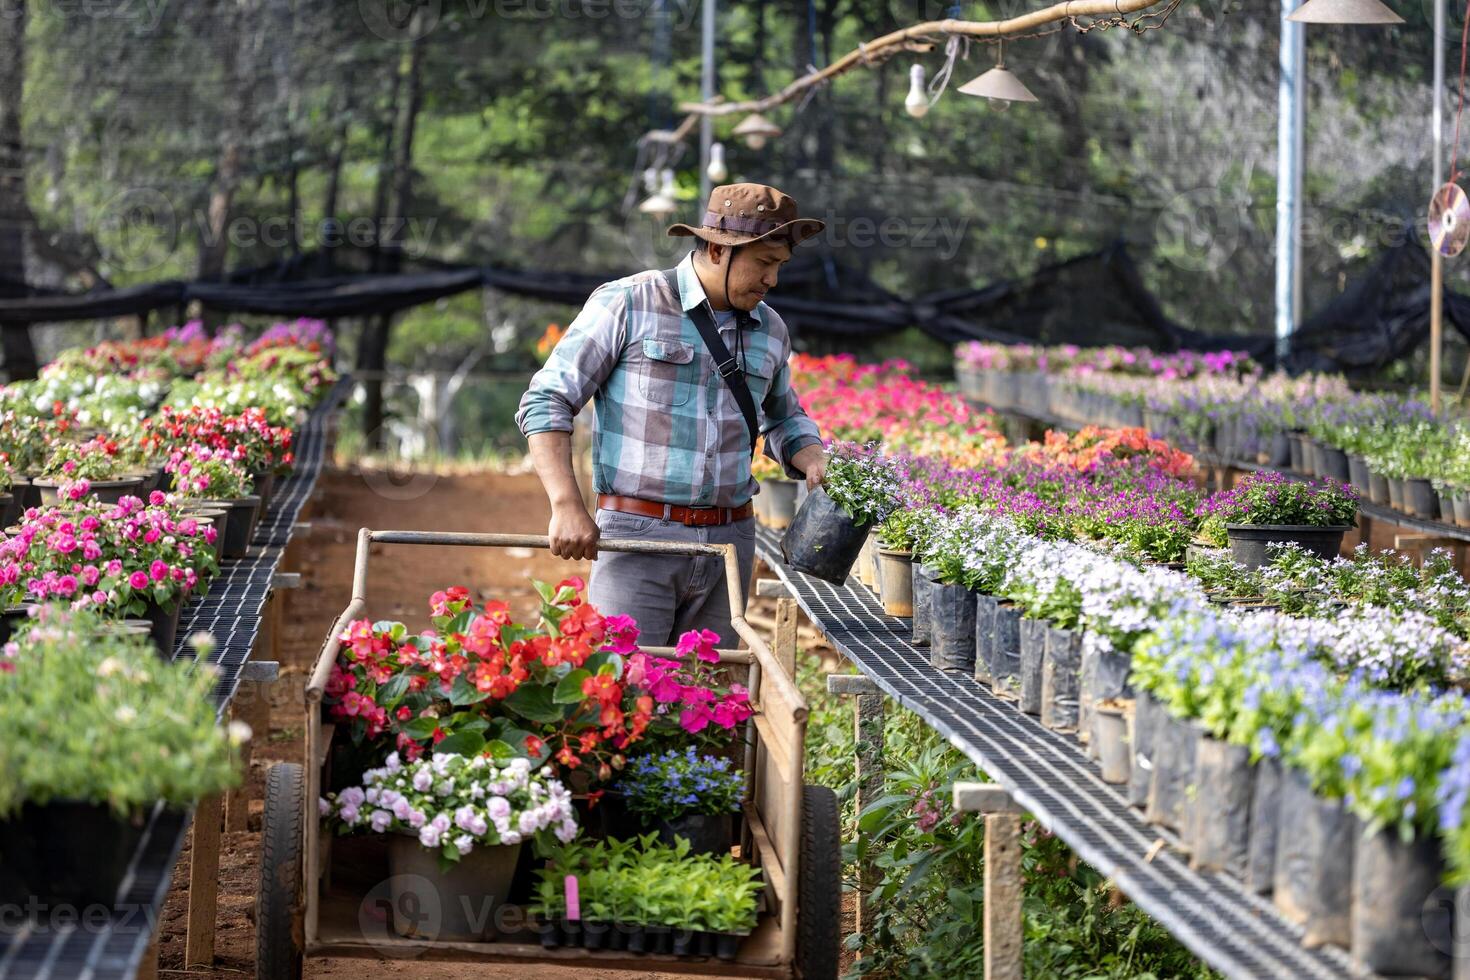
(775, 753)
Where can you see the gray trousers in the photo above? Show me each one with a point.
(668, 594)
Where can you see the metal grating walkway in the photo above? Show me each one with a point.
(1237, 933)
(112, 945)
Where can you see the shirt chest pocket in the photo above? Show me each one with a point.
(668, 371)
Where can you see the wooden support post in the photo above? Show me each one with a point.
(148, 966)
(203, 882)
(1004, 926)
(1460, 950)
(251, 705)
(868, 725)
(784, 647)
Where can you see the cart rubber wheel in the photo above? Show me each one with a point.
(819, 888)
(278, 903)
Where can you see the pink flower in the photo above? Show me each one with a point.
(138, 580)
(695, 719)
(158, 570)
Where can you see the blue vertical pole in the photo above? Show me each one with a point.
(1291, 96)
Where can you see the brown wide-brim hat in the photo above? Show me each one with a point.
(739, 214)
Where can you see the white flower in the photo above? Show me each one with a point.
(402, 809)
(323, 806)
(429, 835)
(510, 837)
(392, 763)
(528, 824)
(422, 780)
(566, 831)
(464, 842)
(416, 818)
(352, 796)
(498, 807)
(380, 821)
(126, 714)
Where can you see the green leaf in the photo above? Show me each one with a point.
(534, 703)
(390, 693)
(461, 743)
(419, 729)
(569, 689)
(599, 662)
(546, 592)
(462, 692)
(501, 752)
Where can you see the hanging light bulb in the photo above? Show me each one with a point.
(998, 85)
(755, 129)
(717, 171)
(917, 102)
(650, 179)
(663, 201)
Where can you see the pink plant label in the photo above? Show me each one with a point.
(574, 900)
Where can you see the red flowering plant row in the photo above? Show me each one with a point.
(574, 688)
(122, 558)
(248, 438)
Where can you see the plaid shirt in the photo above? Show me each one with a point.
(668, 428)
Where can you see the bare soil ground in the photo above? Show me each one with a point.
(400, 581)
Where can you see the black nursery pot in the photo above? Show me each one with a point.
(1249, 542)
(1147, 715)
(1260, 870)
(65, 853)
(1104, 678)
(1173, 757)
(707, 833)
(165, 627)
(823, 539)
(984, 636)
(1005, 650)
(1225, 785)
(1033, 655)
(1403, 917)
(923, 586)
(1315, 844)
(1061, 679)
(1334, 463)
(951, 627)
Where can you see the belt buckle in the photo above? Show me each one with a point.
(695, 516)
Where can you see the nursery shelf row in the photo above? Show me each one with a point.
(1047, 773)
(100, 943)
(1367, 508)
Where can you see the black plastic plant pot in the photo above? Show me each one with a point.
(1334, 463)
(1173, 758)
(1396, 493)
(952, 627)
(1279, 453)
(12, 618)
(1109, 737)
(1104, 678)
(1146, 717)
(1295, 452)
(1378, 489)
(637, 939)
(1061, 679)
(1005, 651)
(1402, 916)
(823, 539)
(1421, 500)
(707, 833)
(1249, 543)
(106, 491)
(1315, 843)
(550, 934)
(727, 945)
(657, 939)
(65, 855)
(1260, 870)
(165, 629)
(685, 942)
(27, 493)
(1225, 784)
(984, 636)
(1358, 474)
(1033, 655)
(595, 934)
(923, 586)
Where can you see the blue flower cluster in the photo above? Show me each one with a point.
(674, 783)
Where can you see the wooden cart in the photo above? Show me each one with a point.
(313, 900)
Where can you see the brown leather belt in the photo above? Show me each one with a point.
(688, 516)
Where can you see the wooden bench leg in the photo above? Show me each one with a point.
(1004, 925)
(868, 727)
(203, 882)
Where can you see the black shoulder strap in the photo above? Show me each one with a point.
(725, 362)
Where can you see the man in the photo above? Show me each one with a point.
(672, 446)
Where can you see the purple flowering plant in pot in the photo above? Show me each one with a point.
(1266, 508)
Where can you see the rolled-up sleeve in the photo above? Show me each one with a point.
(788, 429)
(579, 364)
